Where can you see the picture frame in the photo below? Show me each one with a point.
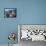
(10, 12)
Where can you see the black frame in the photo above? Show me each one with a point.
(11, 9)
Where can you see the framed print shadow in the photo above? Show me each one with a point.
(10, 12)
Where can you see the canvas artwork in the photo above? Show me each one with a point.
(33, 32)
(10, 12)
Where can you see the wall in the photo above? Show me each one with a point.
(34, 12)
(28, 12)
(8, 25)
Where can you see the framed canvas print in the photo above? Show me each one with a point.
(10, 12)
(32, 32)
